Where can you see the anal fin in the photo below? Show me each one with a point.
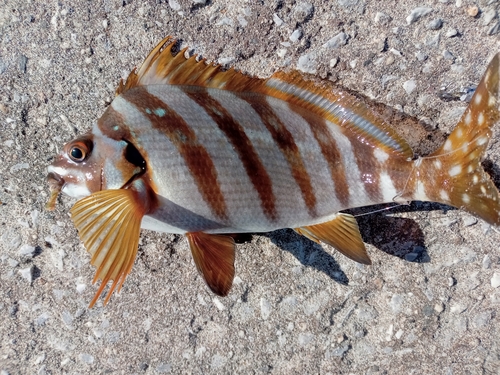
(213, 255)
(342, 233)
(109, 223)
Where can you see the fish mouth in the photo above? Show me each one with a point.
(56, 184)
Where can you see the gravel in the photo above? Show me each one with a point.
(430, 301)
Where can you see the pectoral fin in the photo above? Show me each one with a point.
(342, 233)
(213, 255)
(109, 224)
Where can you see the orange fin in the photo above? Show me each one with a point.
(109, 224)
(342, 233)
(458, 177)
(213, 255)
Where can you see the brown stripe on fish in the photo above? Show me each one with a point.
(198, 160)
(286, 143)
(243, 146)
(330, 152)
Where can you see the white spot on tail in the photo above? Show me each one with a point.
(387, 187)
(459, 131)
(492, 101)
(481, 141)
(475, 179)
(448, 145)
(420, 192)
(483, 189)
(444, 196)
(478, 99)
(480, 119)
(455, 170)
(437, 164)
(380, 155)
(468, 120)
(465, 198)
(470, 169)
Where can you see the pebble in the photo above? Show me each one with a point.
(23, 60)
(265, 308)
(337, 41)
(302, 11)
(277, 20)
(486, 264)
(417, 13)
(174, 4)
(296, 35)
(451, 33)
(489, 16)
(86, 358)
(409, 86)
(26, 251)
(218, 304)
(494, 29)
(17, 167)
(421, 56)
(396, 303)
(305, 338)
(382, 18)
(469, 221)
(27, 273)
(307, 63)
(435, 24)
(447, 55)
(495, 280)
(473, 11)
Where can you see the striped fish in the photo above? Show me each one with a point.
(187, 147)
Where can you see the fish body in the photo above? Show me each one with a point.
(188, 148)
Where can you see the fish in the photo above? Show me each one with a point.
(192, 148)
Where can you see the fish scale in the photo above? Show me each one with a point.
(189, 148)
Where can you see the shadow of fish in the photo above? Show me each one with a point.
(187, 147)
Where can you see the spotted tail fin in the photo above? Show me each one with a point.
(453, 174)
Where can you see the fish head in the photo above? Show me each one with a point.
(91, 163)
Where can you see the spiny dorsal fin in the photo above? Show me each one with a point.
(109, 223)
(213, 255)
(163, 67)
(342, 233)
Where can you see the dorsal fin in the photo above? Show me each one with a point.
(164, 67)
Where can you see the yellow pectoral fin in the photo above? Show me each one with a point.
(109, 224)
(342, 233)
(213, 255)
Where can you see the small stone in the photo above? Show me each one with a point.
(435, 24)
(296, 35)
(23, 60)
(411, 257)
(409, 86)
(218, 304)
(307, 63)
(494, 29)
(337, 41)
(495, 280)
(333, 62)
(439, 307)
(302, 12)
(20, 166)
(489, 16)
(482, 319)
(447, 55)
(457, 308)
(174, 5)
(86, 358)
(277, 20)
(27, 273)
(417, 13)
(199, 2)
(265, 308)
(421, 56)
(382, 18)
(451, 33)
(473, 11)
(486, 264)
(26, 251)
(469, 221)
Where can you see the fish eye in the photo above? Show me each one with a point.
(79, 150)
(77, 154)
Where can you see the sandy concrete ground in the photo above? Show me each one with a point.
(427, 305)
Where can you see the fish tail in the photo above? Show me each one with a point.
(453, 174)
